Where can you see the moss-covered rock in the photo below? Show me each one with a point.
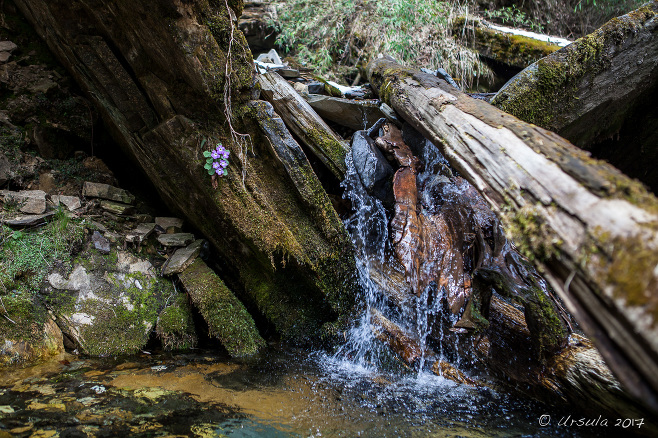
(27, 331)
(175, 327)
(109, 304)
(29, 334)
(227, 318)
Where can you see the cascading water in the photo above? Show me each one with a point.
(368, 227)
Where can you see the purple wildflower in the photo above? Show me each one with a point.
(220, 172)
(216, 154)
(223, 163)
(215, 165)
(225, 153)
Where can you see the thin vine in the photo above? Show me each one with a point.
(243, 141)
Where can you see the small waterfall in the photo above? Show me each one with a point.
(368, 227)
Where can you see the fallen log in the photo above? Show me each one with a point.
(510, 46)
(307, 125)
(171, 81)
(598, 87)
(589, 228)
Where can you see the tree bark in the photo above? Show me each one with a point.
(171, 79)
(304, 122)
(589, 228)
(597, 88)
(512, 49)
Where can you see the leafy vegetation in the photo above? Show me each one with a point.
(27, 256)
(510, 15)
(327, 35)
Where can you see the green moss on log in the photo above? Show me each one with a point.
(227, 318)
(516, 50)
(547, 89)
(175, 327)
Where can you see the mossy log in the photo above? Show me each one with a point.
(588, 227)
(307, 125)
(508, 48)
(172, 79)
(227, 318)
(601, 86)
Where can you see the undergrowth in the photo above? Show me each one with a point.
(27, 256)
(327, 34)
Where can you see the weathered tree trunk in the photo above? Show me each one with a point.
(171, 79)
(503, 46)
(596, 88)
(589, 228)
(304, 122)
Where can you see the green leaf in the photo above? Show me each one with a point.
(211, 171)
(206, 153)
(209, 160)
(207, 166)
(203, 142)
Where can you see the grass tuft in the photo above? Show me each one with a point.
(329, 34)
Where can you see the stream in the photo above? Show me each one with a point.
(282, 393)
(361, 389)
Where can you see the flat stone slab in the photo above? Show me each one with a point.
(182, 258)
(177, 239)
(170, 223)
(29, 201)
(117, 207)
(70, 202)
(28, 220)
(141, 233)
(355, 114)
(7, 46)
(106, 191)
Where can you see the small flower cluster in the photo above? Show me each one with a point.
(216, 160)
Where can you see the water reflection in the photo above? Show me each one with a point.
(282, 393)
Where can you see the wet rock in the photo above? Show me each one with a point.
(100, 243)
(70, 202)
(391, 142)
(108, 192)
(25, 340)
(182, 258)
(29, 220)
(170, 224)
(355, 114)
(28, 201)
(227, 318)
(117, 208)
(373, 169)
(177, 239)
(141, 233)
